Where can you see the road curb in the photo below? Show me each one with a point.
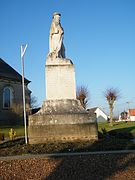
(30, 156)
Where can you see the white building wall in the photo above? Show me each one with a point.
(101, 116)
(132, 118)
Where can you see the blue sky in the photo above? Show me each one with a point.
(99, 38)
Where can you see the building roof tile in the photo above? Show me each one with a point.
(132, 112)
(7, 72)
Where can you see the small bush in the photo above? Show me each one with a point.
(12, 134)
(2, 137)
(104, 131)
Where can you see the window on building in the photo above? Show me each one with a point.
(7, 97)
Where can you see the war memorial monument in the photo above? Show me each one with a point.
(61, 117)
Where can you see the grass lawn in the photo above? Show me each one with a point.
(118, 137)
(119, 127)
(18, 129)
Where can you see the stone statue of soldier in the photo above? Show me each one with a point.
(56, 46)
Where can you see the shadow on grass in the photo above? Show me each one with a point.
(123, 133)
(13, 143)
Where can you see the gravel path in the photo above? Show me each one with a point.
(81, 167)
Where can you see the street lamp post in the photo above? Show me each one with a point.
(23, 50)
(128, 104)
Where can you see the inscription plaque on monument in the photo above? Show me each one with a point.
(61, 117)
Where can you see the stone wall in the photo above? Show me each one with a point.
(14, 115)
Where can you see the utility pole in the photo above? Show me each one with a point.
(128, 104)
(23, 50)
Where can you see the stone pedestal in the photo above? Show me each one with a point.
(60, 79)
(61, 118)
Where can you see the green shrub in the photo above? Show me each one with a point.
(12, 134)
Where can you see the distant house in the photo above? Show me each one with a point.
(127, 116)
(131, 114)
(101, 115)
(11, 106)
(123, 116)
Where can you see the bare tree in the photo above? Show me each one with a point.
(82, 95)
(33, 102)
(111, 95)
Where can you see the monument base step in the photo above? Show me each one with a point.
(71, 132)
(62, 120)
